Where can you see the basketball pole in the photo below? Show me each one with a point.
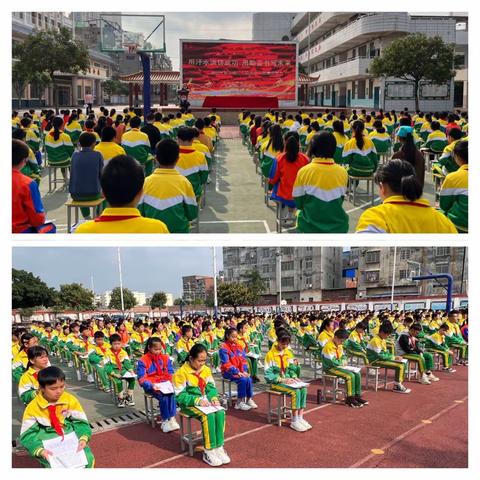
(146, 84)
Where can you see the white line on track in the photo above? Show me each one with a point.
(361, 206)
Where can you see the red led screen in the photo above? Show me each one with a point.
(239, 68)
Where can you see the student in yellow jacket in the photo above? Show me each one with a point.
(28, 384)
(137, 144)
(108, 147)
(51, 414)
(359, 153)
(403, 209)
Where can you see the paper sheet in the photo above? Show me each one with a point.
(129, 375)
(64, 452)
(164, 387)
(352, 369)
(253, 355)
(298, 384)
(208, 410)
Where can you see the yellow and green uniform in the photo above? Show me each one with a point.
(119, 363)
(28, 386)
(96, 358)
(211, 342)
(436, 141)
(60, 151)
(220, 333)
(267, 159)
(279, 365)
(325, 337)
(245, 343)
(319, 192)
(425, 130)
(73, 130)
(454, 198)
(382, 141)
(109, 150)
(32, 139)
(199, 146)
(341, 142)
(168, 196)
(361, 162)
(183, 348)
(190, 386)
(333, 360)
(356, 345)
(137, 144)
(454, 340)
(15, 349)
(43, 421)
(446, 161)
(137, 343)
(122, 220)
(436, 343)
(380, 356)
(399, 215)
(19, 365)
(192, 164)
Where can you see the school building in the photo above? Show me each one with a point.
(337, 48)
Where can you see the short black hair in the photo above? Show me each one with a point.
(108, 134)
(341, 333)
(121, 180)
(461, 150)
(185, 329)
(186, 134)
(135, 122)
(416, 326)
(323, 145)
(167, 152)
(50, 375)
(455, 133)
(20, 152)
(98, 334)
(115, 337)
(386, 327)
(87, 139)
(19, 134)
(200, 124)
(196, 350)
(36, 351)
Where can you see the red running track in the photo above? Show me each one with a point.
(341, 436)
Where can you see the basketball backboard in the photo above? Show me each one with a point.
(132, 33)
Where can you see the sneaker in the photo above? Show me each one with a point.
(158, 419)
(361, 400)
(129, 401)
(304, 422)
(174, 424)
(255, 379)
(350, 402)
(90, 378)
(242, 406)
(222, 455)
(424, 380)
(121, 403)
(432, 377)
(166, 427)
(298, 426)
(449, 370)
(401, 389)
(210, 458)
(252, 403)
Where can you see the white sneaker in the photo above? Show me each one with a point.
(212, 459)
(173, 424)
(242, 406)
(433, 378)
(166, 427)
(424, 380)
(304, 422)
(70, 364)
(222, 455)
(252, 403)
(90, 378)
(298, 426)
(79, 376)
(401, 389)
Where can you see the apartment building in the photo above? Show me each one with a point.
(197, 287)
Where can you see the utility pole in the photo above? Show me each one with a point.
(278, 254)
(393, 275)
(215, 297)
(121, 281)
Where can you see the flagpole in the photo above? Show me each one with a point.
(121, 281)
(215, 296)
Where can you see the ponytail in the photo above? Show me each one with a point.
(57, 123)
(292, 147)
(400, 177)
(358, 133)
(410, 187)
(409, 149)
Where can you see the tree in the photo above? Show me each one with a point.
(416, 58)
(114, 87)
(129, 300)
(158, 300)
(30, 291)
(255, 284)
(178, 301)
(26, 312)
(53, 51)
(20, 79)
(41, 81)
(76, 297)
(233, 294)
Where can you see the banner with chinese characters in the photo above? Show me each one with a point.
(210, 68)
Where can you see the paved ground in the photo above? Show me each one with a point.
(427, 428)
(234, 200)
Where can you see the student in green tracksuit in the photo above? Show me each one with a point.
(211, 342)
(356, 344)
(454, 338)
(436, 343)
(96, 358)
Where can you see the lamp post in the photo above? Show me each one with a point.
(278, 255)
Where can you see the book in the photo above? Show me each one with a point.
(351, 369)
(129, 375)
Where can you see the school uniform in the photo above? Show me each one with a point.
(233, 361)
(73, 130)
(211, 342)
(378, 355)
(408, 347)
(96, 358)
(268, 157)
(454, 198)
(19, 365)
(59, 152)
(341, 142)
(137, 343)
(43, 421)
(192, 164)
(325, 337)
(183, 347)
(356, 345)
(137, 144)
(109, 150)
(152, 369)
(28, 386)
(382, 141)
(436, 141)
(190, 386)
(119, 363)
(435, 343)
(361, 162)
(455, 340)
(280, 364)
(447, 161)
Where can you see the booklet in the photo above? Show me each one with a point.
(352, 369)
(211, 409)
(253, 355)
(64, 452)
(129, 375)
(164, 387)
(298, 384)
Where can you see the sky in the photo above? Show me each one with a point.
(201, 25)
(145, 269)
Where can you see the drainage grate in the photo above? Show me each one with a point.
(123, 420)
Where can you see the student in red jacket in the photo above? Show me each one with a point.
(154, 373)
(285, 168)
(28, 214)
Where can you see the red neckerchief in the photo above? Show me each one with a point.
(211, 339)
(337, 347)
(114, 218)
(187, 150)
(201, 382)
(413, 204)
(35, 376)
(102, 349)
(54, 420)
(85, 342)
(117, 360)
(141, 338)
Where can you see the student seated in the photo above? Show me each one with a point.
(436, 343)
(153, 369)
(97, 359)
(378, 355)
(28, 384)
(409, 152)
(235, 368)
(281, 370)
(195, 387)
(32, 168)
(403, 209)
(320, 188)
(122, 185)
(210, 341)
(167, 195)
(407, 346)
(108, 147)
(356, 344)
(446, 163)
(334, 363)
(54, 413)
(137, 144)
(359, 153)
(85, 172)
(454, 191)
(184, 344)
(28, 214)
(454, 338)
(20, 361)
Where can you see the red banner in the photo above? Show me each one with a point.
(239, 68)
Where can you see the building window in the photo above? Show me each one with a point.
(287, 282)
(370, 88)
(265, 253)
(442, 251)
(34, 18)
(372, 276)
(287, 250)
(79, 92)
(308, 281)
(443, 267)
(405, 253)
(265, 268)
(373, 257)
(309, 249)
(287, 266)
(308, 264)
(362, 51)
(403, 274)
(361, 89)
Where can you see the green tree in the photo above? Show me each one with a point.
(53, 51)
(27, 312)
(30, 291)
(233, 294)
(114, 87)
(416, 58)
(41, 81)
(179, 301)
(255, 284)
(129, 300)
(20, 79)
(158, 300)
(76, 297)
